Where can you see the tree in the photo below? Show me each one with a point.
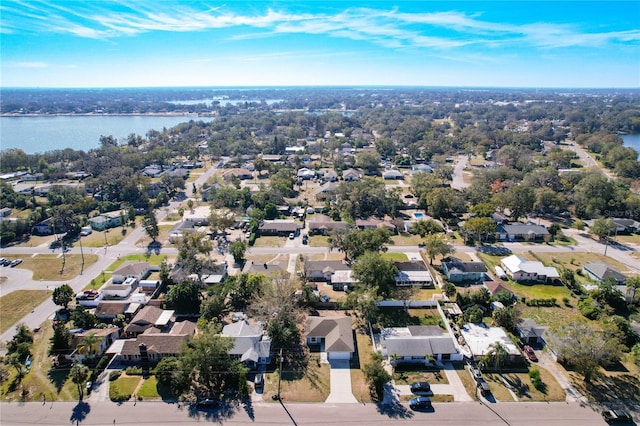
(237, 250)
(193, 251)
(584, 347)
(449, 289)
(497, 355)
(520, 200)
(473, 314)
(119, 321)
(507, 317)
(377, 376)
(426, 227)
(369, 161)
(211, 370)
(170, 373)
(82, 318)
(21, 342)
(372, 270)
(355, 242)
(633, 284)
(79, 375)
(243, 289)
(445, 202)
(150, 225)
(62, 295)
(478, 227)
(184, 298)
(88, 345)
(437, 245)
(61, 339)
(602, 227)
(214, 307)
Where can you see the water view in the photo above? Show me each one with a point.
(632, 141)
(40, 134)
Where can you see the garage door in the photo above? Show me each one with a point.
(339, 355)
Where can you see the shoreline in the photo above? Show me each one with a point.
(133, 114)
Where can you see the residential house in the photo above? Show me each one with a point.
(519, 269)
(323, 270)
(522, 232)
(418, 344)
(153, 344)
(333, 335)
(373, 223)
(305, 174)
(242, 174)
(268, 269)
(32, 177)
(422, 168)
(153, 171)
(135, 270)
(600, 271)
(46, 227)
(89, 298)
(148, 317)
(351, 175)
(626, 226)
(480, 339)
(458, 271)
(328, 175)
(104, 337)
(496, 287)
(413, 273)
(392, 175)
(120, 290)
(251, 344)
(529, 332)
(108, 311)
(326, 191)
(106, 220)
(280, 227)
(5, 212)
(322, 225)
(343, 280)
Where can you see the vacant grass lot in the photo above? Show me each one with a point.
(17, 304)
(405, 239)
(523, 388)
(395, 257)
(270, 242)
(48, 266)
(97, 238)
(319, 241)
(400, 317)
(312, 386)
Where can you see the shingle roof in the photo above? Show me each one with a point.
(336, 331)
(603, 271)
(131, 269)
(110, 309)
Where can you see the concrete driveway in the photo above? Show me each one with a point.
(340, 383)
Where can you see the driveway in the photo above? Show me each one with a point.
(454, 387)
(340, 383)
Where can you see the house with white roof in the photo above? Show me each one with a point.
(418, 344)
(519, 269)
(480, 339)
(251, 345)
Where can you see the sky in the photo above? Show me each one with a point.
(164, 43)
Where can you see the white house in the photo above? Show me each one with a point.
(519, 269)
(418, 344)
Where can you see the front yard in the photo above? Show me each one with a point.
(523, 388)
(311, 385)
(405, 374)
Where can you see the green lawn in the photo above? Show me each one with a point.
(399, 317)
(19, 303)
(49, 266)
(395, 257)
(152, 390)
(359, 384)
(125, 385)
(407, 373)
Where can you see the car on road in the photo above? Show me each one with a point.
(530, 353)
(617, 416)
(15, 263)
(206, 403)
(420, 388)
(305, 239)
(420, 403)
(89, 385)
(292, 236)
(247, 235)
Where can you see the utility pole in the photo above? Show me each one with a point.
(82, 255)
(280, 373)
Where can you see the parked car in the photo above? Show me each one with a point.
(420, 388)
(529, 352)
(89, 385)
(292, 236)
(15, 263)
(420, 403)
(258, 381)
(617, 416)
(305, 239)
(484, 387)
(4, 261)
(247, 235)
(475, 372)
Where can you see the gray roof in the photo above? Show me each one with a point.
(602, 271)
(337, 332)
(528, 328)
(411, 265)
(250, 343)
(325, 266)
(420, 346)
(524, 228)
(465, 267)
(425, 330)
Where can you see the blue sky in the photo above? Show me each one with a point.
(280, 43)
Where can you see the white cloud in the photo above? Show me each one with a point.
(33, 64)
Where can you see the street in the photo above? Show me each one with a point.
(160, 413)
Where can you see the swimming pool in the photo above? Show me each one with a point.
(418, 215)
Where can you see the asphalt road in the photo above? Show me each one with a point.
(160, 413)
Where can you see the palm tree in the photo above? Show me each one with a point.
(88, 344)
(499, 354)
(79, 374)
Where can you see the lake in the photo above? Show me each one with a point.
(81, 132)
(632, 141)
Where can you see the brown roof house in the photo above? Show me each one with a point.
(333, 335)
(148, 317)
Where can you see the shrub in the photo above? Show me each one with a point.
(566, 301)
(134, 371)
(588, 309)
(114, 375)
(534, 375)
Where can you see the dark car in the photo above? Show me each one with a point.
(420, 403)
(420, 387)
(15, 263)
(484, 387)
(617, 416)
(528, 350)
(206, 403)
(258, 381)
